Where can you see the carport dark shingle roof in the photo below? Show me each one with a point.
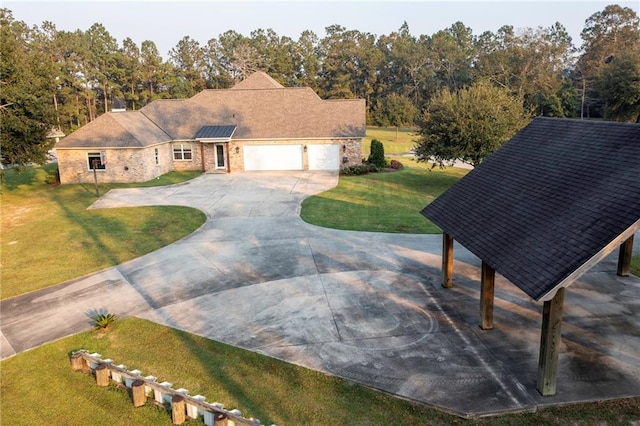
(549, 201)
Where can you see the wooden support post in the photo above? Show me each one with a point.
(221, 419)
(550, 345)
(138, 393)
(487, 283)
(77, 362)
(178, 410)
(447, 260)
(102, 375)
(624, 257)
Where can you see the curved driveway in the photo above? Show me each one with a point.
(364, 306)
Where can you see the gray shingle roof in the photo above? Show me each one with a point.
(259, 106)
(553, 197)
(261, 111)
(215, 132)
(116, 130)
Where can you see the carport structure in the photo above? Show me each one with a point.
(541, 211)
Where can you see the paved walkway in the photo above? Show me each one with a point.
(364, 306)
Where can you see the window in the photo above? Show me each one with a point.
(96, 161)
(182, 152)
(157, 159)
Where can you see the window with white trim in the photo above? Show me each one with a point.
(182, 151)
(95, 161)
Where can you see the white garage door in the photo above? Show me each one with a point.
(273, 157)
(324, 157)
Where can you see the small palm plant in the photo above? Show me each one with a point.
(103, 321)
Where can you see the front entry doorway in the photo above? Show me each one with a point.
(220, 157)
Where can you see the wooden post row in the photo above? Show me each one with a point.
(182, 405)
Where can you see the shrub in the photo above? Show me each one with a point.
(360, 169)
(395, 164)
(103, 321)
(376, 156)
(53, 177)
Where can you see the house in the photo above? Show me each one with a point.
(256, 125)
(542, 210)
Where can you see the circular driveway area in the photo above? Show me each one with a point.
(364, 306)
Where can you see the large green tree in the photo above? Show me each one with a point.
(619, 86)
(27, 112)
(469, 124)
(610, 33)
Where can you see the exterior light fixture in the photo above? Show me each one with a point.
(237, 149)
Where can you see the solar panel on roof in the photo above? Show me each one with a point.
(215, 132)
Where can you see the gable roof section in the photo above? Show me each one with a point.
(130, 129)
(549, 204)
(260, 107)
(277, 113)
(258, 80)
(215, 132)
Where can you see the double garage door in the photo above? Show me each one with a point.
(291, 157)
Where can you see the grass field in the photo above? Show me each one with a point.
(39, 387)
(49, 236)
(401, 144)
(382, 202)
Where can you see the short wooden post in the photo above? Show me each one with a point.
(138, 393)
(624, 257)
(221, 419)
(550, 345)
(447, 260)
(77, 362)
(178, 410)
(102, 375)
(487, 284)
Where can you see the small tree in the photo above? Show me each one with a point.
(469, 124)
(376, 156)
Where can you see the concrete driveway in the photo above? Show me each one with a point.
(364, 306)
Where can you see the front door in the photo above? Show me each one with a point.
(220, 160)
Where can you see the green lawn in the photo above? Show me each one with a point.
(49, 236)
(39, 387)
(402, 144)
(382, 202)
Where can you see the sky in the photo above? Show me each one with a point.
(166, 22)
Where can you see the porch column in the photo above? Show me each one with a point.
(550, 345)
(487, 282)
(624, 257)
(447, 260)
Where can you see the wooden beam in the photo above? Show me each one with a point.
(550, 344)
(624, 257)
(447, 260)
(487, 284)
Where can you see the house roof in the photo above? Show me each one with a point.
(259, 106)
(258, 80)
(262, 109)
(215, 132)
(550, 203)
(116, 130)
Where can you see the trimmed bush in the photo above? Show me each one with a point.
(376, 157)
(395, 164)
(360, 169)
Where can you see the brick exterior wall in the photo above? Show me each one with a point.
(139, 164)
(122, 165)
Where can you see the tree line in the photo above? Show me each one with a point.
(64, 79)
